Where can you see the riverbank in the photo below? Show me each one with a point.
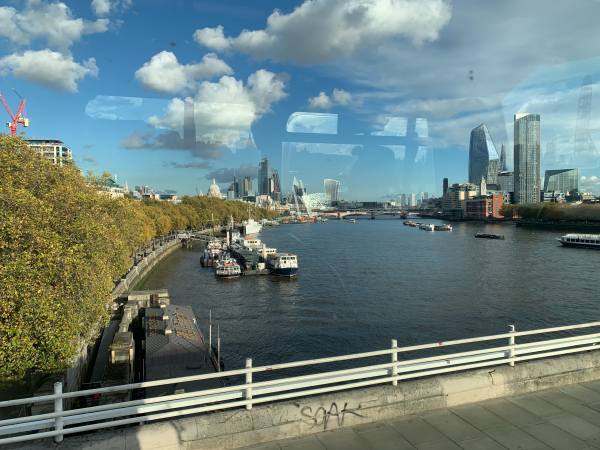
(582, 226)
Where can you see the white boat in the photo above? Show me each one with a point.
(580, 240)
(251, 243)
(251, 226)
(283, 264)
(352, 220)
(227, 267)
(427, 226)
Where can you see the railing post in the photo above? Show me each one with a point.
(511, 342)
(394, 360)
(249, 382)
(58, 408)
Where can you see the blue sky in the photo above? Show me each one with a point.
(385, 91)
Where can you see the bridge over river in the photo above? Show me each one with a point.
(535, 389)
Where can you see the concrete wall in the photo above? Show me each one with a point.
(140, 270)
(74, 375)
(239, 427)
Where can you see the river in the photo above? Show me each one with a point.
(362, 284)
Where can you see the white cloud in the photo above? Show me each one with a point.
(223, 112)
(341, 97)
(589, 184)
(49, 68)
(49, 22)
(105, 7)
(321, 101)
(325, 101)
(101, 7)
(321, 30)
(213, 38)
(163, 73)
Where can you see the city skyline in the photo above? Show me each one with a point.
(378, 129)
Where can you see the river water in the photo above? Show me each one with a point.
(362, 284)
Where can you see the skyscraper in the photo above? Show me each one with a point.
(445, 186)
(276, 186)
(247, 186)
(484, 161)
(264, 184)
(527, 158)
(561, 180)
(503, 159)
(332, 189)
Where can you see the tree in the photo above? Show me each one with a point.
(61, 246)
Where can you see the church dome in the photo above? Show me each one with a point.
(213, 190)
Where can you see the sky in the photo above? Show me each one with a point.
(379, 94)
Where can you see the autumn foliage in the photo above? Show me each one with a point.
(61, 247)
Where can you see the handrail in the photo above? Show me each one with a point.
(247, 392)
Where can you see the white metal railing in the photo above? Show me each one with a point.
(247, 392)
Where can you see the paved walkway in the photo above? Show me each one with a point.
(567, 418)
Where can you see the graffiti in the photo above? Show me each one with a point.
(322, 416)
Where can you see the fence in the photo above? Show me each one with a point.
(247, 392)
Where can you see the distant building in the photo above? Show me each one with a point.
(275, 186)
(561, 180)
(484, 161)
(52, 150)
(147, 193)
(214, 191)
(112, 189)
(485, 207)
(527, 158)
(444, 186)
(412, 202)
(264, 178)
(332, 189)
(454, 203)
(169, 197)
(246, 186)
(503, 167)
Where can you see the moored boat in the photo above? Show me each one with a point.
(251, 226)
(283, 264)
(580, 240)
(443, 227)
(227, 267)
(427, 227)
(489, 236)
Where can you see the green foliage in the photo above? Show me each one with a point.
(61, 246)
(554, 211)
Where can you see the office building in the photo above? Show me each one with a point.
(485, 207)
(332, 189)
(561, 180)
(484, 161)
(503, 167)
(275, 186)
(444, 187)
(247, 186)
(454, 203)
(264, 177)
(527, 158)
(412, 202)
(52, 150)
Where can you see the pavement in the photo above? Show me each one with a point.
(566, 418)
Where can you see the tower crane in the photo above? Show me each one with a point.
(15, 119)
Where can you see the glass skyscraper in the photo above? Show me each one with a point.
(484, 161)
(332, 189)
(264, 174)
(527, 158)
(561, 180)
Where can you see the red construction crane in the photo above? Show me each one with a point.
(15, 119)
